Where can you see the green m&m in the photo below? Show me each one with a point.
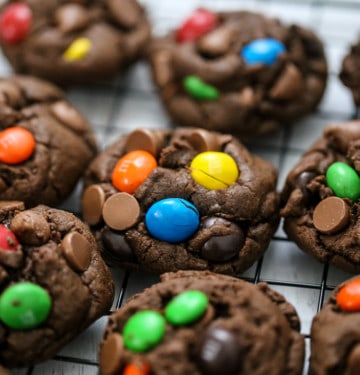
(24, 306)
(144, 330)
(186, 307)
(199, 89)
(343, 180)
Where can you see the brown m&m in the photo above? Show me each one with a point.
(331, 215)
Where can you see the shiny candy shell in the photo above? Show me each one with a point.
(144, 330)
(348, 298)
(214, 170)
(343, 180)
(8, 240)
(262, 51)
(199, 89)
(77, 50)
(15, 23)
(186, 307)
(132, 170)
(172, 220)
(24, 306)
(199, 23)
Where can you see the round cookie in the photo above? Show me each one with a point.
(73, 42)
(335, 332)
(205, 202)
(349, 73)
(53, 282)
(238, 72)
(45, 143)
(320, 199)
(204, 323)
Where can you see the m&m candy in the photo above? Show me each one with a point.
(144, 330)
(77, 50)
(16, 145)
(343, 180)
(24, 306)
(132, 170)
(262, 51)
(15, 23)
(348, 298)
(214, 170)
(172, 220)
(200, 90)
(186, 307)
(8, 240)
(199, 23)
(137, 369)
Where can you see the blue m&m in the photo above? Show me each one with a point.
(262, 51)
(172, 220)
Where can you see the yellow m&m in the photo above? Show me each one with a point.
(214, 170)
(77, 50)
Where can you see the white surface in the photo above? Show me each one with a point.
(131, 102)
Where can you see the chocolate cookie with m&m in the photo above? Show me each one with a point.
(200, 323)
(53, 282)
(321, 198)
(45, 143)
(238, 72)
(73, 42)
(182, 199)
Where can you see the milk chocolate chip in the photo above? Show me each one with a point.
(110, 355)
(77, 251)
(69, 116)
(93, 201)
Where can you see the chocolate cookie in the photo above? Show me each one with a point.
(73, 42)
(238, 72)
(335, 333)
(45, 143)
(350, 72)
(182, 199)
(321, 195)
(53, 282)
(197, 322)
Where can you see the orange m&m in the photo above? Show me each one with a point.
(142, 369)
(132, 170)
(348, 298)
(16, 145)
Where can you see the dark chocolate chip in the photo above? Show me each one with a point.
(116, 246)
(218, 352)
(221, 248)
(302, 180)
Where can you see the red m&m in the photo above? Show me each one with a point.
(132, 170)
(348, 298)
(15, 23)
(8, 241)
(199, 23)
(16, 145)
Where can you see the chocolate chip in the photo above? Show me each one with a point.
(92, 203)
(289, 85)
(30, 228)
(145, 139)
(10, 93)
(77, 251)
(331, 215)
(302, 181)
(69, 116)
(116, 246)
(216, 42)
(221, 248)
(111, 355)
(161, 68)
(203, 140)
(126, 12)
(218, 352)
(121, 211)
(71, 17)
(353, 362)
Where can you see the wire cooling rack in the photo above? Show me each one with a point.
(131, 102)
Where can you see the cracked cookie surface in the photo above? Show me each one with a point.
(320, 218)
(74, 42)
(64, 142)
(205, 81)
(197, 225)
(54, 251)
(240, 321)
